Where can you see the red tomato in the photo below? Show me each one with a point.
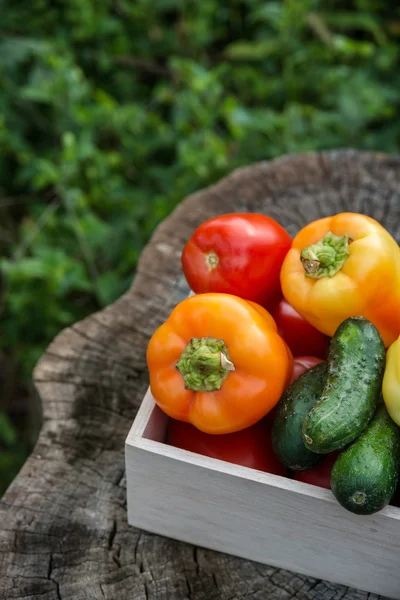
(301, 337)
(239, 254)
(251, 447)
(321, 475)
(301, 364)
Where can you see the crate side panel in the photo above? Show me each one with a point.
(150, 422)
(261, 522)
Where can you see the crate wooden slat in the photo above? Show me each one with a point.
(255, 515)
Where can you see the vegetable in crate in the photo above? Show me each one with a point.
(301, 337)
(342, 266)
(352, 389)
(391, 381)
(250, 447)
(292, 409)
(364, 477)
(240, 254)
(218, 363)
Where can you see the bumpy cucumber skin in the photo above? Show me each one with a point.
(292, 409)
(364, 476)
(356, 364)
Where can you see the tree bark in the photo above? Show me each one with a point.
(64, 528)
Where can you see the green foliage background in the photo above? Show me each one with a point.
(111, 111)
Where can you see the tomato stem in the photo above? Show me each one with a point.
(212, 259)
(205, 364)
(326, 257)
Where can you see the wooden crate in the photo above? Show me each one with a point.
(254, 515)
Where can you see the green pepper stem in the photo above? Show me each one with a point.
(205, 364)
(326, 257)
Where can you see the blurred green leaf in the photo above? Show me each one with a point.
(8, 434)
(269, 12)
(252, 50)
(108, 287)
(345, 21)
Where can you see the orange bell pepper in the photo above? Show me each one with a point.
(342, 266)
(218, 363)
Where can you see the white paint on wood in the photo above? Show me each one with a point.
(255, 515)
(150, 422)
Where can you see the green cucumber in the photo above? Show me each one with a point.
(356, 363)
(364, 476)
(293, 407)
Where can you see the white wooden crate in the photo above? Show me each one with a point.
(255, 515)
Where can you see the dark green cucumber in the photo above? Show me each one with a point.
(292, 409)
(364, 476)
(356, 363)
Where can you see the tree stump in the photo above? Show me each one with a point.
(64, 531)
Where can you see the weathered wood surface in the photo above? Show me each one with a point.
(64, 532)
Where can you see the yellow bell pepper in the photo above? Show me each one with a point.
(343, 266)
(391, 381)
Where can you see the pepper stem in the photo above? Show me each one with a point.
(326, 257)
(205, 364)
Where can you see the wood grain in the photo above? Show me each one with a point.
(255, 515)
(64, 531)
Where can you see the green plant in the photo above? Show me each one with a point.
(111, 111)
